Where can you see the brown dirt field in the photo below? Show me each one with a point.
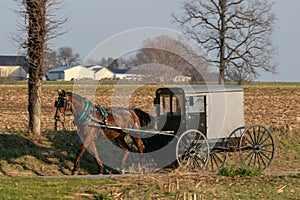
(277, 107)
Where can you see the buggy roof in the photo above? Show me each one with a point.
(200, 89)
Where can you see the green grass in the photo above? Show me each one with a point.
(233, 171)
(42, 188)
(258, 187)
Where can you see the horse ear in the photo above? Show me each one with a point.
(61, 92)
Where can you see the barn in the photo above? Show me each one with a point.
(68, 73)
(13, 67)
(101, 72)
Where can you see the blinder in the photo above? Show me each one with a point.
(60, 102)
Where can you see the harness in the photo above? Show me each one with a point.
(86, 115)
(103, 112)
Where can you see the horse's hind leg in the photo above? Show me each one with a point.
(93, 149)
(122, 144)
(139, 144)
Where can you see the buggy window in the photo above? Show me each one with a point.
(195, 104)
(170, 104)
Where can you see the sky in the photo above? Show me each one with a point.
(95, 24)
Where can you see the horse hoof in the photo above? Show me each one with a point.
(74, 173)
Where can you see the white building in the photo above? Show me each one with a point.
(13, 66)
(68, 73)
(101, 72)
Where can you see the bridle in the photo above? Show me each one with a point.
(61, 102)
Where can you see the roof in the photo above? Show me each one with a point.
(61, 68)
(198, 89)
(13, 61)
(119, 71)
(96, 68)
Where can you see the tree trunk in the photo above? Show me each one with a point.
(222, 42)
(36, 11)
(34, 107)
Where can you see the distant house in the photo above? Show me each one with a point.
(182, 78)
(67, 73)
(125, 74)
(101, 72)
(13, 66)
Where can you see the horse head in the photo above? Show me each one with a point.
(63, 104)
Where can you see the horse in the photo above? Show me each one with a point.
(88, 117)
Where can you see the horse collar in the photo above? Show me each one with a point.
(85, 117)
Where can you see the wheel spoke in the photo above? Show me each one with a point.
(251, 154)
(263, 161)
(267, 157)
(252, 141)
(247, 139)
(215, 160)
(261, 137)
(254, 134)
(268, 137)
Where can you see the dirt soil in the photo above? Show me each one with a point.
(277, 107)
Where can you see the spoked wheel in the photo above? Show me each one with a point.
(256, 147)
(141, 163)
(217, 158)
(192, 151)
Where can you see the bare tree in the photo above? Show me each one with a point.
(170, 52)
(50, 60)
(236, 33)
(40, 26)
(66, 57)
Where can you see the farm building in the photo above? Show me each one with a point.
(101, 72)
(67, 73)
(13, 66)
(125, 74)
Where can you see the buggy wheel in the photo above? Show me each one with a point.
(192, 151)
(141, 163)
(217, 158)
(256, 147)
(232, 145)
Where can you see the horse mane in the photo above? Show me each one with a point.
(77, 96)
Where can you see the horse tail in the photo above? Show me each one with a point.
(144, 117)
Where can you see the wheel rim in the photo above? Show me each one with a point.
(192, 151)
(234, 138)
(256, 147)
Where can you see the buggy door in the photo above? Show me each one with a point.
(170, 111)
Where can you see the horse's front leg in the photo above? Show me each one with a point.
(56, 125)
(93, 149)
(86, 142)
(78, 157)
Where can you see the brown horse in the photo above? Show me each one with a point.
(87, 118)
